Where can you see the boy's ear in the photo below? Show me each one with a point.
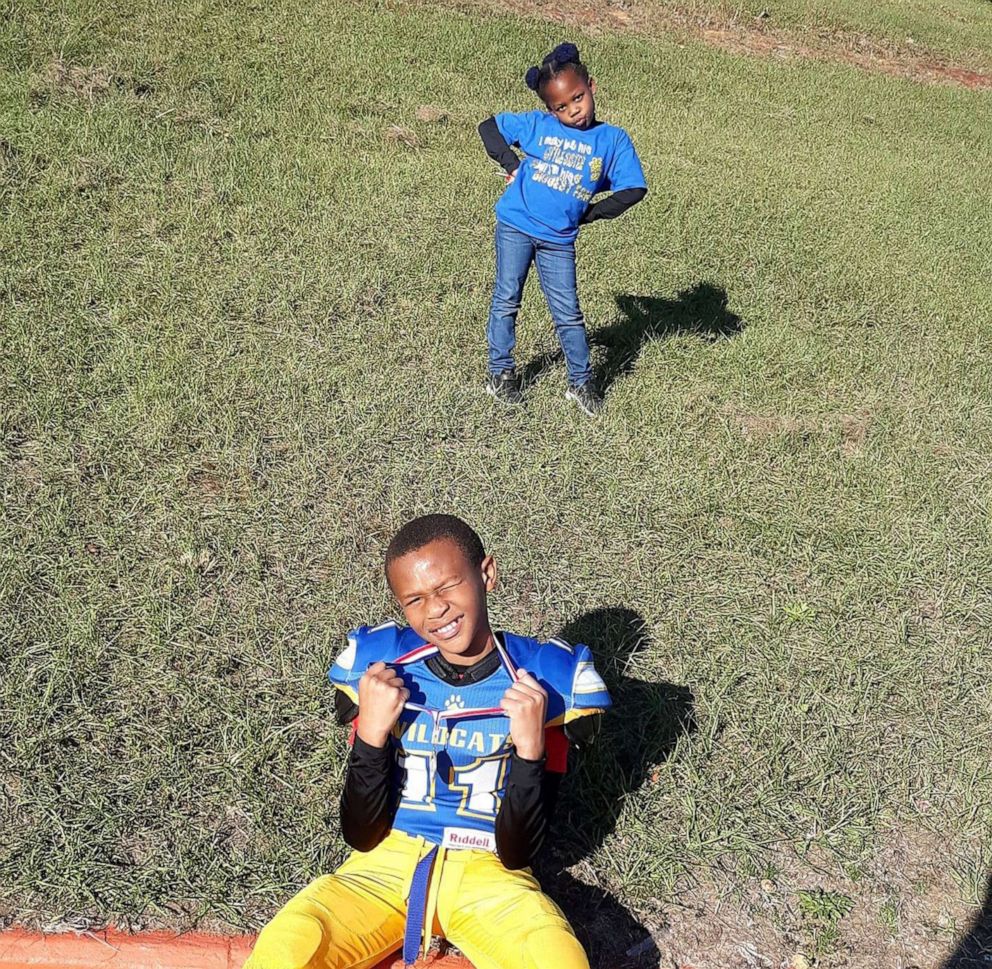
(490, 575)
(592, 84)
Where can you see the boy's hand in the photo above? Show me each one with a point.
(526, 704)
(381, 696)
(510, 176)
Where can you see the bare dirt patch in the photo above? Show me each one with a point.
(904, 911)
(207, 482)
(431, 114)
(858, 50)
(754, 37)
(399, 135)
(21, 459)
(84, 82)
(851, 430)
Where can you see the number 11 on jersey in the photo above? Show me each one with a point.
(478, 784)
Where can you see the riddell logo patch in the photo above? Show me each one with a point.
(467, 838)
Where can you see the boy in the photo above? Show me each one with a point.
(448, 789)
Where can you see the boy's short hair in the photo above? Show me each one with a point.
(429, 528)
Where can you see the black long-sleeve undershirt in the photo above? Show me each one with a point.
(613, 205)
(367, 803)
(608, 208)
(369, 799)
(497, 148)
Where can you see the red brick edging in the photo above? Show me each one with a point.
(148, 950)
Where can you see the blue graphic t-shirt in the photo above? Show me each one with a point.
(562, 169)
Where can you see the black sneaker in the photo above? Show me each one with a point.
(505, 387)
(586, 396)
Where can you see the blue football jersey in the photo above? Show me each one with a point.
(452, 743)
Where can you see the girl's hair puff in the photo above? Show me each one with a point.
(564, 57)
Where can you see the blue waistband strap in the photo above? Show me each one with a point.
(413, 935)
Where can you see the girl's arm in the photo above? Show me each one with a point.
(625, 171)
(496, 147)
(613, 205)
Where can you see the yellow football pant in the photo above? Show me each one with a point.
(354, 918)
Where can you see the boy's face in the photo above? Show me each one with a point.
(443, 597)
(571, 100)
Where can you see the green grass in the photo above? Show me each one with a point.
(242, 341)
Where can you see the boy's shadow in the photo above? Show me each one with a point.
(974, 951)
(700, 311)
(638, 733)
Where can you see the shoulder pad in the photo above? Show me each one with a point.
(368, 645)
(529, 655)
(569, 672)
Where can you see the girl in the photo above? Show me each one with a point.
(568, 157)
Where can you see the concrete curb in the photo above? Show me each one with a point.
(149, 950)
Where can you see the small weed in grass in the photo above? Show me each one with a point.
(888, 915)
(822, 913)
(799, 613)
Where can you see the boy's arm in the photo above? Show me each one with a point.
(496, 146)
(613, 205)
(532, 784)
(581, 696)
(367, 805)
(531, 796)
(368, 802)
(523, 817)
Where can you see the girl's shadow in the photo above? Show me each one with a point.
(638, 733)
(700, 311)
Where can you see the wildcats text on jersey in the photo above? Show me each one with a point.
(461, 738)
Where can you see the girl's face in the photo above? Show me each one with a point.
(571, 100)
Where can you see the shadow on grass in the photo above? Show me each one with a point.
(974, 951)
(639, 733)
(699, 311)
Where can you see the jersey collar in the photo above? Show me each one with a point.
(426, 651)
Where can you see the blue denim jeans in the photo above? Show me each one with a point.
(515, 251)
